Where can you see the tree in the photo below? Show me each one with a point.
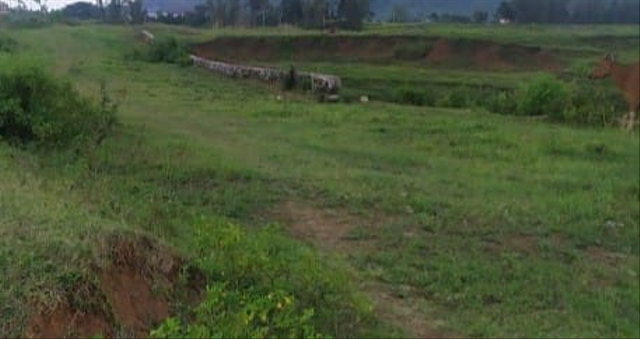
(136, 11)
(624, 12)
(506, 11)
(541, 11)
(234, 11)
(588, 11)
(258, 11)
(81, 11)
(316, 13)
(23, 5)
(353, 12)
(103, 13)
(399, 13)
(455, 18)
(480, 17)
(292, 11)
(557, 11)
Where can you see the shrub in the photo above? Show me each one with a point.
(593, 105)
(502, 102)
(169, 51)
(266, 285)
(577, 102)
(411, 97)
(35, 107)
(7, 44)
(290, 80)
(544, 95)
(457, 98)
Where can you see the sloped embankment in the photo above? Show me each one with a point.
(135, 281)
(444, 52)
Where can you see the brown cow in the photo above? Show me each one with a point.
(627, 79)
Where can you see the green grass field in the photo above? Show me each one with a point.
(455, 222)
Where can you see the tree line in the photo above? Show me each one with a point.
(571, 11)
(346, 14)
(350, 14)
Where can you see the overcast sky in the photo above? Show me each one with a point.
(51, 4)
(57, 4)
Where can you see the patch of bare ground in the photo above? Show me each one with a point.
(131, 296)
(329, 230)
(519, 243)
(65, 322)
(603, 257)
(525, 244)
(406, 310)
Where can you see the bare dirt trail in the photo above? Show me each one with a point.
(329, 230)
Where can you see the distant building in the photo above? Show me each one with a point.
(4, 8)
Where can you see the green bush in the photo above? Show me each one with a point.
(503, 102)
(265, 285)
(577, 102)
(455, 98)
(544, 95)
(36, 107)
(169, 51)
(290, 81)
(7, 44)
(593, 105)
(410, 97)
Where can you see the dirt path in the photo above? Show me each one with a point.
(329, 231)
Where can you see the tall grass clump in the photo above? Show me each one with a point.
(7, 44)
(574, 101)
(543, 95)
(37, 108)
(168, 50)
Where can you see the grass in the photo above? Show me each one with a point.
(457, 82)
(509, 226)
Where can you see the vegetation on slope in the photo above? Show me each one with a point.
(504, 225)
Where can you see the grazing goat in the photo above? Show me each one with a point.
(627, 79)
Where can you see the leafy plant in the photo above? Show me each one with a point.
(169, 51)
(544, 95)
(266, 285)
(36, 107)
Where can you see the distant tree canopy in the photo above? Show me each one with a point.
(348, 14)
(353, 12)
(480, 17)
(571, 11)
(113, 11)
(81, 11)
